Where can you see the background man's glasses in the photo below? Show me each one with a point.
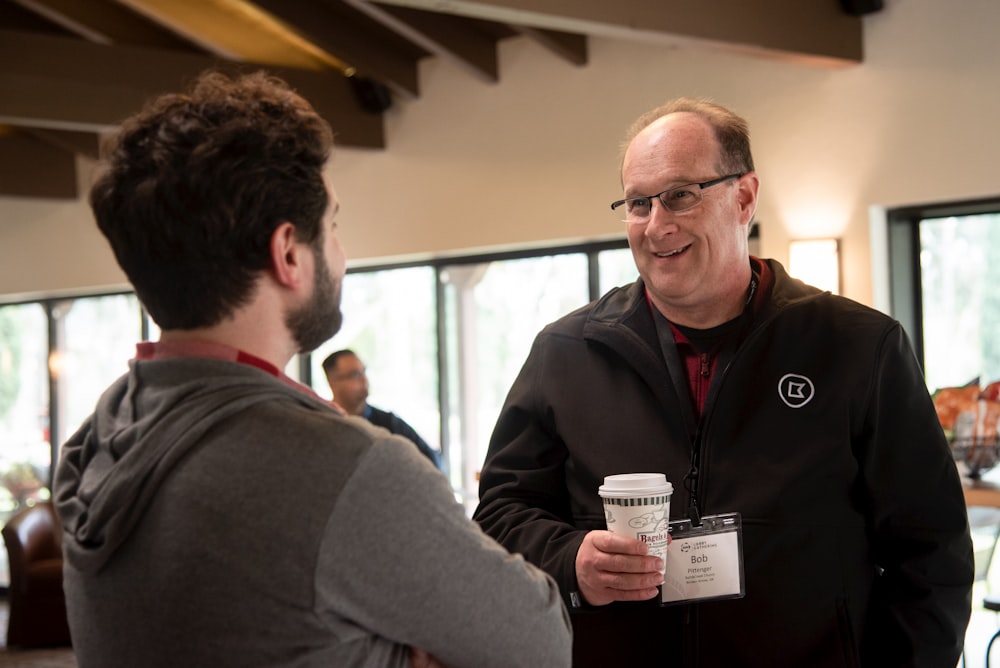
(681, 198)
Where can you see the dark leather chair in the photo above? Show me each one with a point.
(37, 614)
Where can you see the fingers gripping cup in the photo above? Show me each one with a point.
(638, 505)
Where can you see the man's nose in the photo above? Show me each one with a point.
(660, 217)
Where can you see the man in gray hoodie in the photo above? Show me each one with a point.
(216, 512)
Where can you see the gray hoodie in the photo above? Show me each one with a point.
(215, 516)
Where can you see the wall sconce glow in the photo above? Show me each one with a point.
(57, 363)
(817, 262)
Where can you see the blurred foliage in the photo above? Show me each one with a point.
(990, 308)
(10, 359)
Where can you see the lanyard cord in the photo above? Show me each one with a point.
(691, 479)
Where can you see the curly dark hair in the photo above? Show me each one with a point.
(195, 185)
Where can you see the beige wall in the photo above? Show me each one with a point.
(533, 160)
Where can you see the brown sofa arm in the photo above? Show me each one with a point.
(37, 615)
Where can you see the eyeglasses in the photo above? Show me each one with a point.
(681, 198)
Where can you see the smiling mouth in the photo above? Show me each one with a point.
(673, 252)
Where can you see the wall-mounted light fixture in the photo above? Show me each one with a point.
(817, 262)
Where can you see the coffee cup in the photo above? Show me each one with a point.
(637, 505)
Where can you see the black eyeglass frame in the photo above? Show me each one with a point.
(659, 196)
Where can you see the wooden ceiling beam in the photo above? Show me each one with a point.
(68, 84)
(30, 167)
(469, 42)
(569, 46)
(453, 38)
(104, 22)
(87, 144)
(233, 30)
(818, 32)
(364, 45)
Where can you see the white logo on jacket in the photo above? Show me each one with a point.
(795, 390)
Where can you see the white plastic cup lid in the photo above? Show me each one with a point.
(626, 485)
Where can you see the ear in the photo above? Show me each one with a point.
(287, 255)
(747, 197)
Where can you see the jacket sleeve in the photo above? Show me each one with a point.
(524, 502)
(921, 533)
(404, 562)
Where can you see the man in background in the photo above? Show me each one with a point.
(348, 379)
(217, 513)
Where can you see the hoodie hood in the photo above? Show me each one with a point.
(143, 425)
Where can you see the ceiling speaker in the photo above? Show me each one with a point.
(861, 7)
(371, 95)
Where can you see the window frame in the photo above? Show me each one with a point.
(591, 249)
(905, 281)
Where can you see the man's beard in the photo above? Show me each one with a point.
(319, 318)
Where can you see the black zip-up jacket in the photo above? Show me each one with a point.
(818, 429)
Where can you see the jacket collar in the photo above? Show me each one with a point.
(627, 307)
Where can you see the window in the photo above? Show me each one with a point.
(389, 321)
(25, 451)
(493, 310)
(616, 267)
(945, 288)
(95, 339)
(442, 342)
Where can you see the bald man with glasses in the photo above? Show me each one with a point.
(817, 516)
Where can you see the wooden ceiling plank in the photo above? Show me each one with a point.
(818, 33)
(104, 22)
(231, 30)
(569, 46)
(32, 168)
(334, 27)
(16, 17)
(69, 84)
(451, 37)
(87, 144)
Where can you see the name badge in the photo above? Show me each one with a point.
(704, 562)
